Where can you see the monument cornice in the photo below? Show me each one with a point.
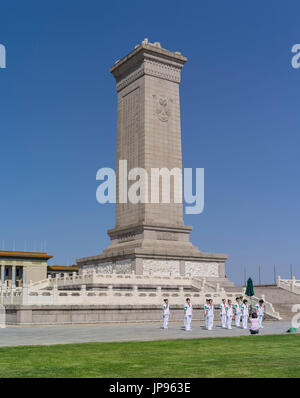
(157, 254)
(143, 51)
(147, 59)
(144, 226)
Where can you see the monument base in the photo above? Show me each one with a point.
(157, 250)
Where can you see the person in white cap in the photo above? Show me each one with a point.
(259, 309)
(223, 313)
(188, 310)
(245, 314)
(166, 313)
(210, 315)
(229, 314)
(238, 312)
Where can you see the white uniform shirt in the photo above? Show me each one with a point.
(229, 310)
(188, 309)
(260, 309)
(166, 309)
(245, 309)
(210, 310)
(223, 309)
(238, 308)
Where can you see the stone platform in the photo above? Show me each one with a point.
(89, 314)
(96, 314)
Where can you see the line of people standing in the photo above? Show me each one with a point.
(239, 310)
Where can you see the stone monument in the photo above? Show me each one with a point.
(151, 237)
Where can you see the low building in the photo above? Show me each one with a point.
(18, 268)
(60, 270)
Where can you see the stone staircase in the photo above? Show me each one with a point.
(281, 299)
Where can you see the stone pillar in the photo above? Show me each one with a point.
(293, 283)
(222, 270)
(55, 294)
(135, 290)
(181, 291)
(3, 274)
(149, 137)
(25, 295)
(182, 268)
(13, 277)
(83, 290)
(94, 275)
(148, 125)
(138, 266)
(110, 291)
(24, 282)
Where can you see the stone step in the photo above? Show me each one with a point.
(223, 282)
(233, 288)
(277, 295)
(285, 311)
(281, 299)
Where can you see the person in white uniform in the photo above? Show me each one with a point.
(210, 315)
(259, 309)
(229, 314)
(166, 313)
(238, 312)
(206, 307)
(188, 310)
(245, 314)
(223, 313)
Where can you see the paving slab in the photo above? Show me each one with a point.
(116, 332)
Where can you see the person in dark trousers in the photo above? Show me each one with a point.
(254, 329)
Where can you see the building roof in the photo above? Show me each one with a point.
(25, 255)
(63, 267)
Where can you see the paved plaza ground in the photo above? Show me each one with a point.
(116, 332)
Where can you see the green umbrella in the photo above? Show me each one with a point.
(249, 289)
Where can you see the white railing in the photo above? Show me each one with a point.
(292, 285)
(110, 296)
(204, 285)
(40, 284)
(50, 291)
(69, 280)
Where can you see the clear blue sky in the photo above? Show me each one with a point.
(240, 121)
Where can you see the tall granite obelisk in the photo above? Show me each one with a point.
(151, 237)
